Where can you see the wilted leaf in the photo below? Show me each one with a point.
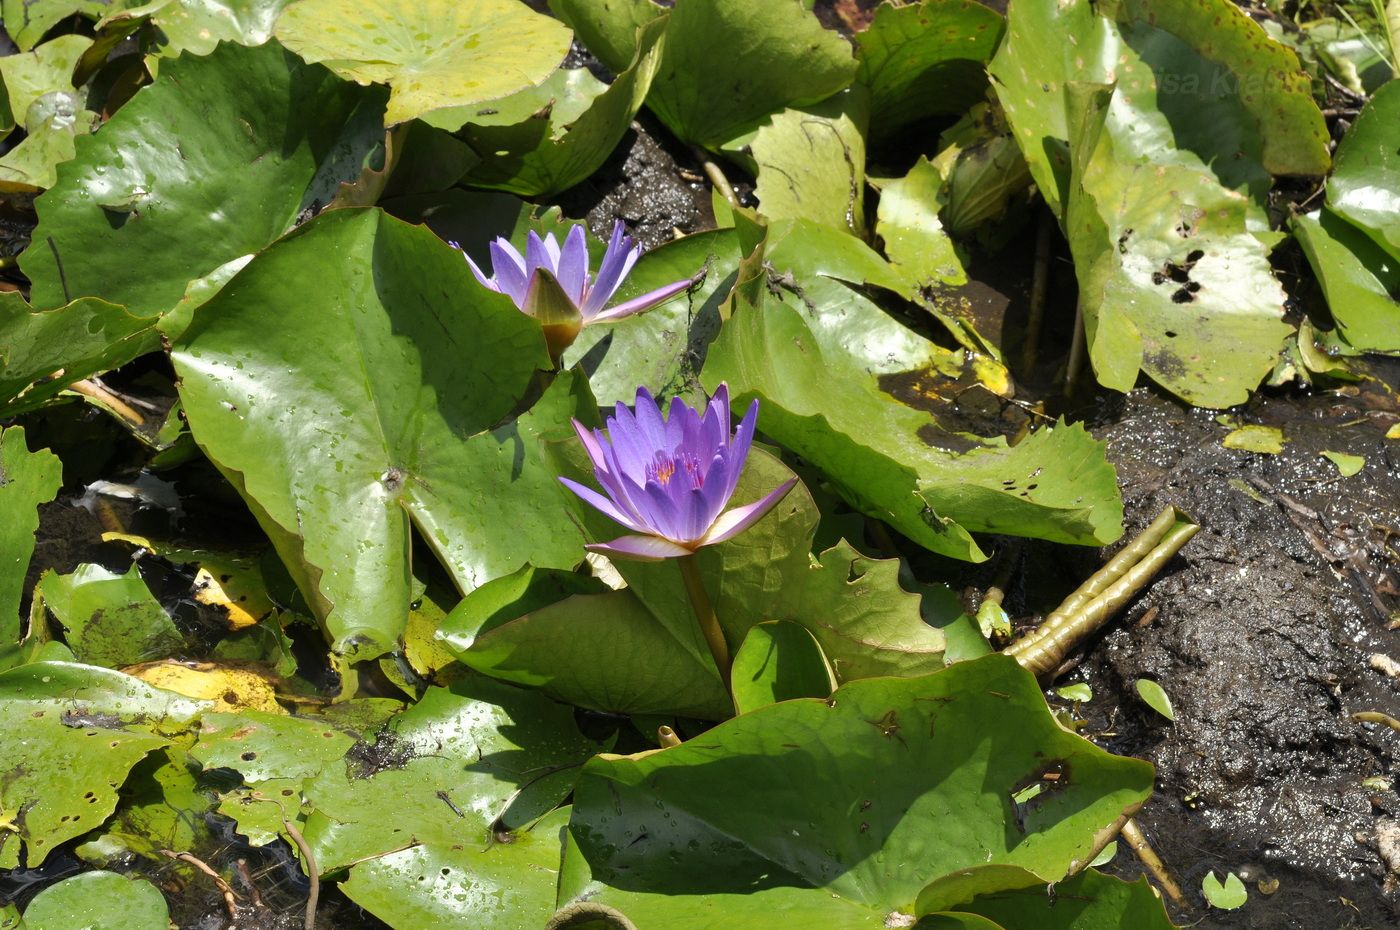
(1265, 440)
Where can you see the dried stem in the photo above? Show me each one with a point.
(254, 895)
(230, 899)
(1103, 594)
(705, 615)
(309, 861)
(99, 392)
(1132, 835)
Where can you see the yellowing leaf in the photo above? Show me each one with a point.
(1265, 440)
(230, 689)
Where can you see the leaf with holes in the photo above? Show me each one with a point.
(109, 619)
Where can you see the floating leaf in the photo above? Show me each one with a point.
(109, 619)
(776, 55)
(1227, 895)
(778, 661)
(1013, 897)
(1155, 697)
(433, 55)
(892, 461)
(419, 444)
(575, 123)
(779, 808)
(1347, 464)
(98, 901)
(1264, 440)
(444, 771)
(246, 130)
(27, 479)
(72, 733)
(925, 59)
(198, 26)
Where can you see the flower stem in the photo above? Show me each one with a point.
(705, 615)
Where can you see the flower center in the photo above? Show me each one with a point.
(663, 468)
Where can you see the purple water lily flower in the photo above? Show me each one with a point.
(669, 480)
(551, 282)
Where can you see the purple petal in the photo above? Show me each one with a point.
(716, 487)
(509, 269)
(681, 423)
(653, 428)
(734, 522)
(485, 281)
(638, 304)
(601, 503)
(717, 420)
(660, 510)
(632, 450)
(611, 270)
(695, 516)
(739, 447)
(640, 548)
(537, 254)
(591, 444)
(573, 264)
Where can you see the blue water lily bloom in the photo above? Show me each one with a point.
(668, 479)
(551, 282)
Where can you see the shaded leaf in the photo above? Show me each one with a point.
(778, 661)
(109, 619)
(1365, 187)
(1014, 897)
(1358, 278)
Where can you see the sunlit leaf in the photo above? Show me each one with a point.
(1227, 895)
(98, 901)
(27, 479)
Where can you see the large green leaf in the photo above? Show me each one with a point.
(445, 773)
(398, 370)
(853, 803)
(1360, 280)
(501, 886)
(890, 460)
(26, 21)
(640, 650)
(213, 161)
(27, 479)
(98, 901)
(925, 59)
(776, 54)
(1365, 187)
(109, 619)
(198, 26)
(433, 54)
(72, 732)
(810, 162)
(1171, 281)
(1014, 898)
(572, 127)
(44, 351)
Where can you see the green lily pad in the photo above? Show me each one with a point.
(1014, 897)
(501, 886)
(1172, 281)
(915, 242)
(27, 479)
(776, 55)
(98, 901)
(849, 805)
(444, 772)
(925, 59)
(1358, 278)
(1079, 692)
(198, 26)
(778, 661)
(1365, 187)
(1227, 895)
(888, 460)
(573, 127)
(421, 443)
(162, 808)
(247, 130)
(810, 162)
(73, 733)
(1347, 464)
(1155, 697)
(434, 54)
(109, 619)
(640, 650)
(42, 352)
(262, 747)
(53, 123)
(49, 67)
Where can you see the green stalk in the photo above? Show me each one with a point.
(1104, 593)
(705, 615)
